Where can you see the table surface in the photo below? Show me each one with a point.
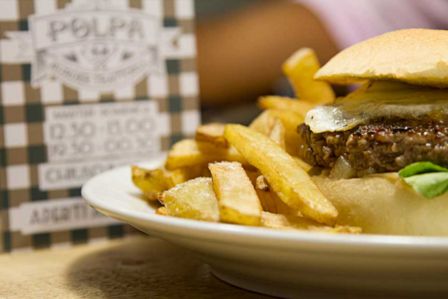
(135, 267)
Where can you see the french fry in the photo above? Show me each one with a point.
(285, 221)
(305, 166)
(237, 199)
(273, 202)
(162, 211)
(213, 133)
(253, 174)
(283, 208)
(194, 199)
(265, 197)
(278, 133)
(279, 221)
(300, 68)
(284, 103)
(263, 123)
(150, 182)
(188, 153)
(337, 229)
(289, 181)
(261, 183)
(153, 181)
(267, 201)
(290, 120)
(274, 220)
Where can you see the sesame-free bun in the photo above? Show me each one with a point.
(415, 56)
(383, 204)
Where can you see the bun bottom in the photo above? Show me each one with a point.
(383, 204)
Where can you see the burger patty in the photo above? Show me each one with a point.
(382, 145)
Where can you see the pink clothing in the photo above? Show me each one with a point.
(350, 21)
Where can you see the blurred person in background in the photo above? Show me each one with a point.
(240, 51)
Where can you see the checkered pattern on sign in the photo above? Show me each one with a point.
(22, 110)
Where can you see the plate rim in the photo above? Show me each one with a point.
(247, 233)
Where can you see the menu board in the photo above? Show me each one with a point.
(85, 86)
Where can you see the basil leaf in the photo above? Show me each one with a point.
(420, 167)
(429, 184)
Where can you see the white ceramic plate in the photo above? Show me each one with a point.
(284, 263)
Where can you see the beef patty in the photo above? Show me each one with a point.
(382, 145)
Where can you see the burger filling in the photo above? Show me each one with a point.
(382, 145)
(381, 127)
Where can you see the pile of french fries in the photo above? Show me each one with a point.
(249, 175)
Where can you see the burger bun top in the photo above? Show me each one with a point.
(414, 56)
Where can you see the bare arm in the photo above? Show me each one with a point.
(240, 54)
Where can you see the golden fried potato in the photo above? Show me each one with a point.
(194, 199)
(238, 201)
(188, 153)
(261, 183)
(150, 182)
(278, 133)
(289, 181)
(153, 181)
(269, 200)
(213, 133)
(162, 211)
(287, 222)
(266, 200)
(300, 68)
(290, 120)
(283, 103)
(337, 229)
(305, 166)
(263, 123)
(274, 220)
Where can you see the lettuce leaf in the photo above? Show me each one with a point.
(426, 178)
(420, 167)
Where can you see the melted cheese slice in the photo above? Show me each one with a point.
(378, 99)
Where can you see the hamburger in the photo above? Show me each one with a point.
(383, 149)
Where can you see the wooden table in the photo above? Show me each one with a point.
(136, 267)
